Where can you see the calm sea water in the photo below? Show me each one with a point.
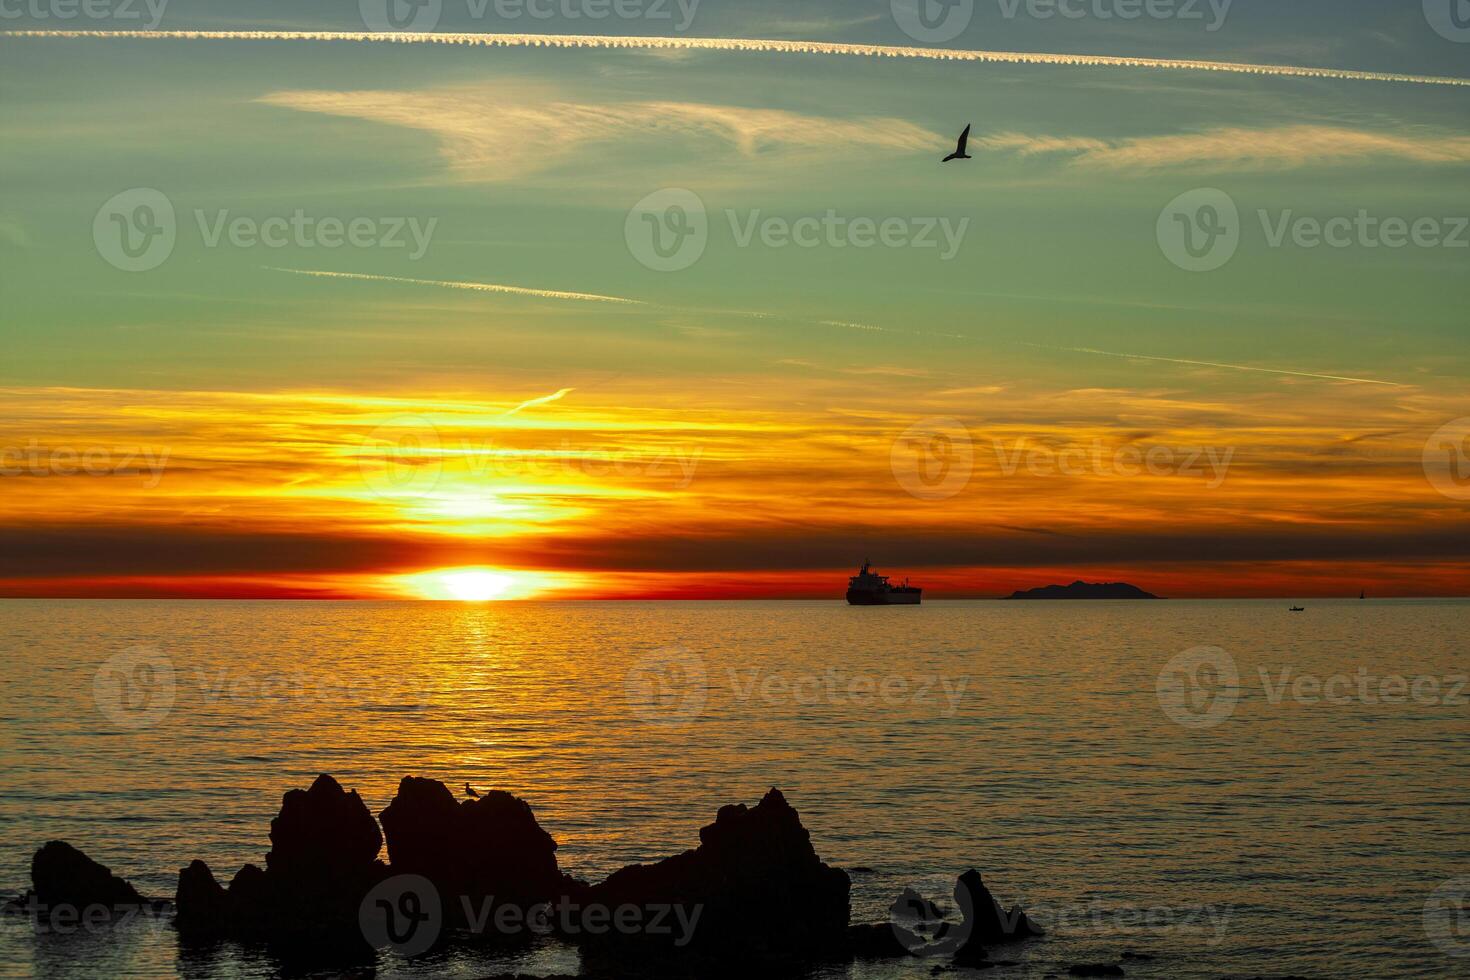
(1274, 833)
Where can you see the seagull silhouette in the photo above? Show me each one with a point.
(469, 791)
(959, 150)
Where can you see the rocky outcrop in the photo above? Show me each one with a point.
(491, 846)
(200, 903)
(755, 883)
(323, 860)
(986, 923)
(62, 876)
(322, 834)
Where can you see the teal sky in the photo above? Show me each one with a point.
(527, 161)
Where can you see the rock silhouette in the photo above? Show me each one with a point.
(61, 875)
(754, 892)
(762, 891)
(474, 848)
(986, 923)
(323, 860)
(323, 832)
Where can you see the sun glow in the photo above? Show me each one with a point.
(467, 585)
(475, 586)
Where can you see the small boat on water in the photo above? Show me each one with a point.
(1298, 609)
(868, 588)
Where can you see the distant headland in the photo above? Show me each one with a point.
(1085, 590)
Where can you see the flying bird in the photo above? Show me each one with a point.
(470, 791)
(959, 149)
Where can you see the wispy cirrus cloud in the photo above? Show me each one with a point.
(491, 135)
(1241, 148)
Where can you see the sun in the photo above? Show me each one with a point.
(481, 584)
(473, 585)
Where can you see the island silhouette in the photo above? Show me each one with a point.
(1085, 590)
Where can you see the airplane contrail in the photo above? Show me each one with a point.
(1233, 367)
(557, 395)
(764, 45)
(482, 287)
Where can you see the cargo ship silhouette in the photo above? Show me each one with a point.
(868, 588)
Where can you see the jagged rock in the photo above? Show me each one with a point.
(64, 876)
(491, 846)
(986, 923)
(323, 833)
(759, 887)
(911, 905)
(201, 904)
(323, 861)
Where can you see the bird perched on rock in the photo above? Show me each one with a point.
(470, 791)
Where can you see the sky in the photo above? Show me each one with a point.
(292, 315)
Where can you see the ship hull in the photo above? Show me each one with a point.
(856, 597)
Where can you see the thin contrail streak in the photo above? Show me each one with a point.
(557, 395)
(1233, 367)
(760, 45)
(481, 287)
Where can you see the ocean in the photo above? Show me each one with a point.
(1225, 786)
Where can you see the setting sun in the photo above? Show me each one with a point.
(466, 585)
(475, 586)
